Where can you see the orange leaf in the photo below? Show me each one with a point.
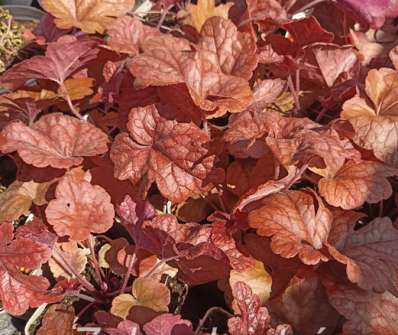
(90, 16)
(196, 15)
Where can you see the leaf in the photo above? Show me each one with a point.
(18, 291)
(369, 253)
(257, 278)
(75, 256)
(147, 266)
(76, 88)
(356, 183)
(371, 12)
(196, 15)
(19, 197)
(127, 33)
(304, 305)
(307, 31)
(149, 152)
(375, 124)
(90, 16)
(298, 222)
(62, 58)
(58, 320)
(334, 61)
(102, 262)
(55, 140)
(167, 60)
(79, 208)
(367, 313)
(265, 13)
(233, 51)
(253, 319)
(146, 292)
(125, 327)
(164, 324)
(281, 269)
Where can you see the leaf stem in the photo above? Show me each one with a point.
(309, 5)
(72, 270)
(96, 266)
(128, 273)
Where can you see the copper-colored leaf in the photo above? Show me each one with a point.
(211, 73)
(90, 16)
(375, 124)
(233, 51)
(356, 183)
(79, 208)
(298, 222)
(150, 151)
(126, 34)
(58, 320)
(370, 253)
(334, 61)
(56, 140)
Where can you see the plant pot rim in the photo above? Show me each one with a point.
(22, 13)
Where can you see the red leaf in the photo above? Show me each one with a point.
(19, 291)
(79, 208)
(252, 319)
(307, 31)
(55, 140)
(150, 152)
(63, 57)
(164, 324)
